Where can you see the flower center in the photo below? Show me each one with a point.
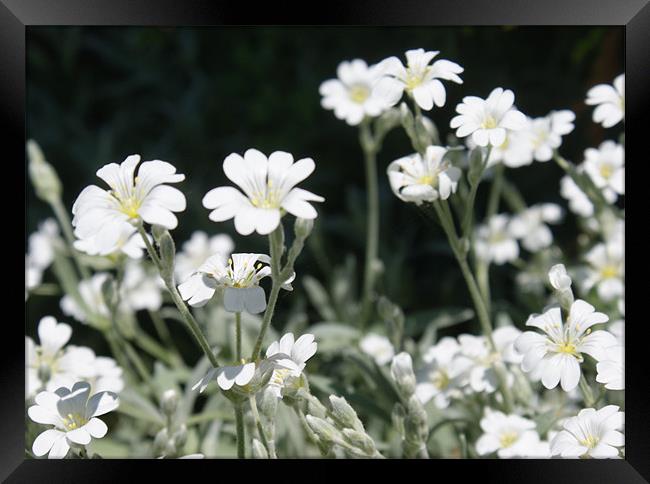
(428, 180)
(609, 271)
(567, 347)
(590, 441)
(129, 205)
(606, 170)
(267, 198)
(414, 77)
(506, 439)
(489, 122)
(440, 379)
(359, 93)
(74, 421)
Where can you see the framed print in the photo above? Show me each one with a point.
(397, 238)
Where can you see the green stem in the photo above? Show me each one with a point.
(178, 301)
(258, 422)
(66, 226)
(372, 221)
(468, 220)
(239, 423)
(238, 335)
(587, 393)
(495, 191)
(276, 249)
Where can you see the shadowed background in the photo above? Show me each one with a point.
(192, 96)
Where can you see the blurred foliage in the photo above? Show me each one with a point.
(192, 96)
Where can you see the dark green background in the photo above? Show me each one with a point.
(192, 96)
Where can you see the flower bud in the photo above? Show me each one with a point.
(360, 440)
(303, 227)
(180, 437)
(344, 415)
(43, 176)
(160, 441)
(157, 231)
(325, 430)
(475, 166)
(169, 402)
(109, 293)
(559, 278)
(167, 255)
(416, 420)
(401, 370)
(268, 402)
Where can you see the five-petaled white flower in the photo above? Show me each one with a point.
(606, 167)
(198, 249)
(353, 95)
(73, 412)
(294, 357)
(239, 278)
(494, 241)
(443, 374)
(378, 347)
(269, 186)
(606, 269)
(420, 179)
(530, 225)
(592, 433)
(488, 120)
(507, 435)
(418, 78)
(556, 356)
(610, 101)
(545, 134)
(101, 213)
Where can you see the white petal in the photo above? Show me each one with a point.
(254, 299)
(79, 436)
(59, 449)
(101, 403)
(96, 428)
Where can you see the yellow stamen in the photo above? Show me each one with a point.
(507, 439)
(359, 93)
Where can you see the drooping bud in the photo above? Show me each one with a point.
(561, 283)
(303, 227)
(344, 415)
(169, 402)
(401, 370)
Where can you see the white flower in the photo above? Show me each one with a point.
(42, 244)
(198, 249)
(294, 355)
(417, 78)
(610, 101)
(611, 369)
(546, 133)
(102, 213)
(488, 120)
(514, 152)
(559, 278)
(269, 188)
(129, 242)
(227, 376)
(507, 435)
(530, 225)
(140, 289)
(592, 433)
(90, 291)
(494, 242)
(556, 356)
(579, 202)
(378, 347)
(443, 374)
(353, 95)
(416, 179)
(239, 279)
(73, 413)
(606, 270)
(481, 359)
(606, 167)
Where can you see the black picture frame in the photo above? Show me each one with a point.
(16, 16)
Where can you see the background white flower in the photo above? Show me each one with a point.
(100, 213)
(227, 376)
(546, 133)
(129, 243)
(507, 435)
(488, 120)
(353, 95)
(494, 241)
(530, 225)
(606, 270)
(417, 179)
(198, 249)
(610, 102)
(43, 242)
(606, 167)
(592, 433)
(269, 187)
(140, 288)
(556, 356)
(378, 347)
(90, 291)
(418, 78)
(611, 369)
(73, 413)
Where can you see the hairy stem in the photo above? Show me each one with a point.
(239, 423)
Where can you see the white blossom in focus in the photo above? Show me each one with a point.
(101, 214)
(294, 357)
(419, 78)
(494, 241)
(556, 355)
(269, 186)
(73, 413)
(610, 102)
(353, 95)
(378, 347)
(592, 433)
(488, 120)
(417, 179)
(531, 225)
